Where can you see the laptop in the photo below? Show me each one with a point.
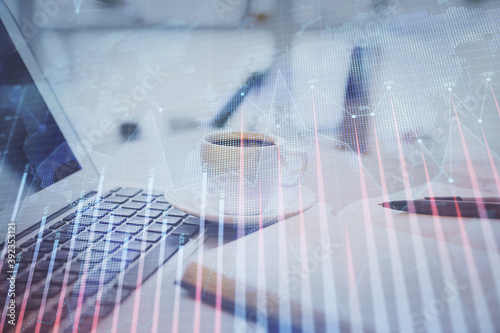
(72, 250)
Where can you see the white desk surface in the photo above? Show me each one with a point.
(89, 71)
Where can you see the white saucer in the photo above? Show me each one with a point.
(185, 200)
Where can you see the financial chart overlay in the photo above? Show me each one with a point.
(274, 216)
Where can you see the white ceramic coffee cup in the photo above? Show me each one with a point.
(248, 169)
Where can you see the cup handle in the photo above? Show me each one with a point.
(305, 163)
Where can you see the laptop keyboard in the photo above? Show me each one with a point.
(126, 230)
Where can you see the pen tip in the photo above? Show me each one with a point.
(380, 204)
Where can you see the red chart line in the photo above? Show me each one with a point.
(399, 281)
(424, 277)
(495, 98)
(331, 311)
(485, 225)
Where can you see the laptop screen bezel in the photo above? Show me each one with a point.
(49, 200)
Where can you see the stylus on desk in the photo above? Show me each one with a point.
(448, 207)
(254, 81)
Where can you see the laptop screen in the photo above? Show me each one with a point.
(33, 152)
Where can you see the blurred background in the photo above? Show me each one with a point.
(386, 71)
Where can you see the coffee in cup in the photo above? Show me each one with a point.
(249, 169)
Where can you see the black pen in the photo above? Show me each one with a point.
(254, 81)
(456, 198)
(447, 208)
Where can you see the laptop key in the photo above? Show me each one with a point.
(43, 266)
(63, 237)
(119, 238)
(128, 192)
(57, 225)
(28, 254)
(90, 289)
(69, 217)
(106, 195)
(162, 201)
(193, 221)
(134, 205)
(154, 214)
(95, 213)
(84, 221)
(127, 256)
(159, 228)
(79, 267)
(149, 237)
(21, 285)
(186, 230)
(97, 275)
(45, 247)
(22, 276)
(102, 228)
(111, 219)
(123, 212)
(117, 200)
(177, 240)
(29, 242)
(128, 229)
(106, 206)
(141, 221)
(45, 233)
(88, 236)
(153, 193)
(170, 220)
(176, 212)
(77, 246)
(87, 207)
(115, 189)
(62, 255)
(23, 267)
(116, 266)
(144, 199)
(105, 247)
(180, 240)
(159, 206)
(92, 257)
(72, 228)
